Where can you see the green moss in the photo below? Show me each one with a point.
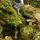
(12, 19)
(37, 36)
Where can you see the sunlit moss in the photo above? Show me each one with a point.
(26, 32)
(37, 36)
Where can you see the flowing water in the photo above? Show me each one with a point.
(18, 7)
(16, 33)
(21, 1)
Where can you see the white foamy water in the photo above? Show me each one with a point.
(21, 1)
(16, 33)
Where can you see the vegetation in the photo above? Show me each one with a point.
(25, 25)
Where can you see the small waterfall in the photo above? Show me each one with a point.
(21, 1)
(19, 5)
(16, 33)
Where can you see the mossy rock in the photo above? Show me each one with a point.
(25, 12)
(27, 32)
